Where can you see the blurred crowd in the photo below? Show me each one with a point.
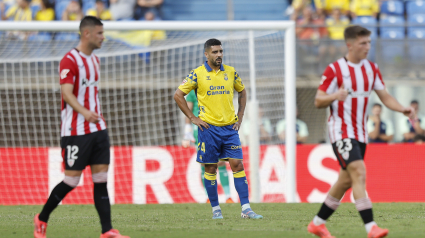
(74, 10)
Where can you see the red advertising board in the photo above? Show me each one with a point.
(170, 174)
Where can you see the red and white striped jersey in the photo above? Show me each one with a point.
(348, 118)
(83, 72)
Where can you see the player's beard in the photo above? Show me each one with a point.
(217, 63)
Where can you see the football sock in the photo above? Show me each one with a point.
(103, 207)
(210, 181)
(224, 179)
(364, 206)
(216, 208)
(202, 177)
(241, 185)
(245, 206)
(328, 207)
(58, 193)
(369, 226)
(318, 221)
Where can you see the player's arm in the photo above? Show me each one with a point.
(181, 102)
(242, 95)
(190, 106)
(323, 99)
(390, 102)
(69, 98)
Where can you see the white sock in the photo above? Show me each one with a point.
(216, 208)
(318, 221)
(369, 226)
(245, 206)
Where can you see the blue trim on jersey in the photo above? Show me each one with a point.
(218, 142)
(209, 69)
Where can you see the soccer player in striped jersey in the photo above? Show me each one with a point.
(84, 138)
(345, 88)
(191, 135)
(218, 123)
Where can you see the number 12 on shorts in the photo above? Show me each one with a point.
(72, 151)
(201, 146)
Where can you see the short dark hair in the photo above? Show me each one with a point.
(89, 21)
(414, 101)
(210, 43)
(377, 105)
(352, 32)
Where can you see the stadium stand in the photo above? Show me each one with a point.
(368, 22)
(415, 7)
(392, 8)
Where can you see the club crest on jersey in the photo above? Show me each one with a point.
(71, 162)
(208, 78)
(370, 74)
(225, 77)
(64, 72)
(346, 155)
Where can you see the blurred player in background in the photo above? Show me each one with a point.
(345, 88)
(84, 138)
(379, 129)
(191, 135)
(218, 122)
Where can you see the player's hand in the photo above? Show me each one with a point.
(237, 126)
(342, 93)
(91, 117)
(409, 112)
(200, 123)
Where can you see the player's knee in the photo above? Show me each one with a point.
(359, 175)
(72, 181)
(236, 165)
(345, 184)
(101, 177)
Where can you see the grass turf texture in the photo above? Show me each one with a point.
(194, 220)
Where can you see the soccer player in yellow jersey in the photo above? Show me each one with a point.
(218, 123)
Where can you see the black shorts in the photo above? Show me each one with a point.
(80, 151)
(348, 150)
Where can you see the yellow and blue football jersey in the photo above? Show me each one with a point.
(214, 91)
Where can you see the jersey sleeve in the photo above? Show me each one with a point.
(238, 83)
(67, 70)
(379, 82)
(189, 83)
(329, 81)
(191, 97)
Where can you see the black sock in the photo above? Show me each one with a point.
(103, 207)
(325, 212)
(58, 193)
(367, 215)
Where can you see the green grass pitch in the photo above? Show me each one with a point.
(194, 220)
